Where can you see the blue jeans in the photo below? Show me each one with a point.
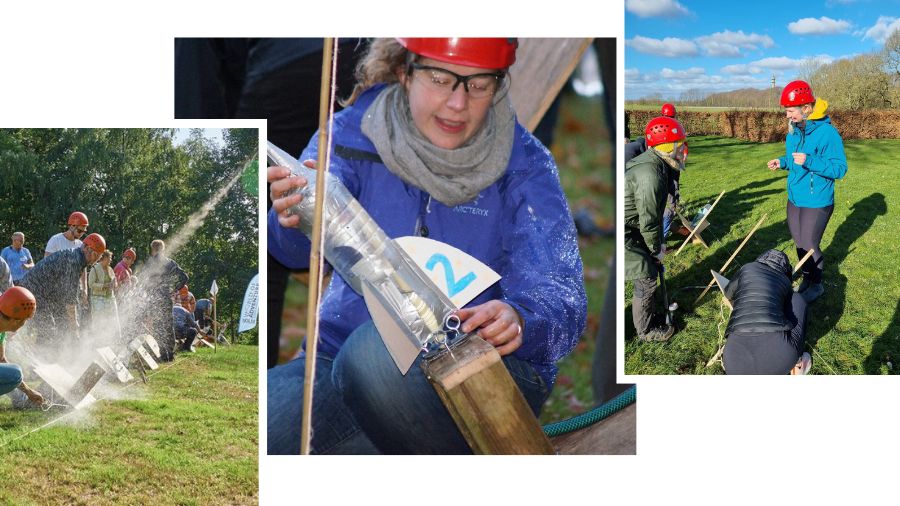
(10, 377)
(362, 404)
(333, 429)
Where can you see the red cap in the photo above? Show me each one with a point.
(662, 130)
(17, 303)
(668, 110)
(79, 219)
(96, 242)
(797, 93)
(472, 52)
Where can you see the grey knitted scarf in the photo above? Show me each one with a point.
(451, 176)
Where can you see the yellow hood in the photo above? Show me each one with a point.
(819, 109)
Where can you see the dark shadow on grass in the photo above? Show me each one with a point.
(831, 305)
(886, 348)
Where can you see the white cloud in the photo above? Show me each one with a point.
(775, 63)
(729, 44)
(651, 84)
(670, 46)
(692, 73)
(655, 8)
(882, 29)
(821, 26)
(741, 69)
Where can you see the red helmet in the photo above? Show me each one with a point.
(130, 253)
(662, 130)
(668, 110)
(96, 242)
(17, 303)
(471, 52)
(797, 93)
(79, 219)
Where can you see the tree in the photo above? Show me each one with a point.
(137, 185)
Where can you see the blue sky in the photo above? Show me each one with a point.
(215, 134)
(672, 46)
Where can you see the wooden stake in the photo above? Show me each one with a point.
(700, 225)
(732, 257)
(802, 260)
(484, 401)
(716, 357)
(312, 314)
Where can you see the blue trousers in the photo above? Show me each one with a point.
(363, 405)
(10, 377)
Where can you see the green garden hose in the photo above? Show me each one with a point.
(593, 416)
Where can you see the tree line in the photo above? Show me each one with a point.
(137, 185)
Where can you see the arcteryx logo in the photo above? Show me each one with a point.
(472, 207)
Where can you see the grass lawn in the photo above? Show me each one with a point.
(189, 436)
(854, 328)
(584, 155)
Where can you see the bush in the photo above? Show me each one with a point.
(771, 126)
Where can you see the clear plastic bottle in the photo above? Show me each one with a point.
(361, 252)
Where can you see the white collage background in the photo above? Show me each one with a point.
(700, 440)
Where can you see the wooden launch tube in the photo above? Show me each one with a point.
(484, 401)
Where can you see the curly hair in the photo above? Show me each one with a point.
(384, 60)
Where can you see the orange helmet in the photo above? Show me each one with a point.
(17, 303)
(96, 242)
(130, 253)
(662, 129)
(472, 52)
(797, 93)
(183, 291)
(79, 219)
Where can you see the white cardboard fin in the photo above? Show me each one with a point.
(396, 338)
(459, 275)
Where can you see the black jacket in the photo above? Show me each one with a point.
(761, 296)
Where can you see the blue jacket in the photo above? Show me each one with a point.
(812, 184)
(520, 226)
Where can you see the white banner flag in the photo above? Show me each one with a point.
(250, 308)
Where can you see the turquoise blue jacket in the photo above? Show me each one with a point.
(812, 184)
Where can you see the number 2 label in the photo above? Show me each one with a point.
(453, 286)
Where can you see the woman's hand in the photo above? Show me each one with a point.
(282, 184)
(498, 324)
(774, 164)
(799, 158)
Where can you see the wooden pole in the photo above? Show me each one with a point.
(733, 255)
(312, 314)
(701, 223)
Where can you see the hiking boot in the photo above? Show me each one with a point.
(661, 333)
(814, 291)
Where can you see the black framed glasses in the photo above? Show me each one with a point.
(445, 82)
